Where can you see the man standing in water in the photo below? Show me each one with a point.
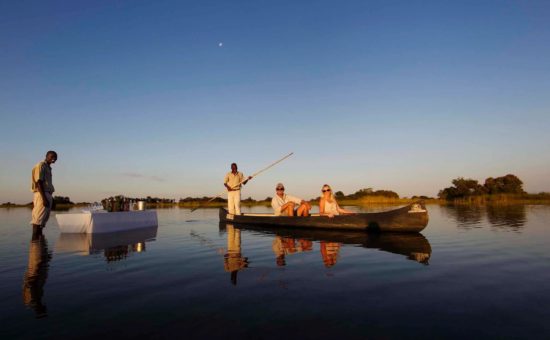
(233, 181)
(42, 188)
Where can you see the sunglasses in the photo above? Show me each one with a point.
(280, 189)
(325, 190)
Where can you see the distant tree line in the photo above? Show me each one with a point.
(218, 199)
(147, 199)
(9, 204)
(467, 187)
(366, 192)
(363, 193)
(339, 195)
(62, 200)
(150, 199)
(56, 201)
(509, 186)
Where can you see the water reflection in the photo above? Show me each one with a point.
(36, 274)
(501, 216)
(413, 246)
(510, 216)
(466, 216)
(233, 261)
(114, 246)
(329, 253)
(283, 246)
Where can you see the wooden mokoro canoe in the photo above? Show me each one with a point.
(411, 218)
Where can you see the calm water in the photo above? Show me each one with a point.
(474, 272)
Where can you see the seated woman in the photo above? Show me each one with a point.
(328, 205)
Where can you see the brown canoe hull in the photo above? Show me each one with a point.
(411, 218)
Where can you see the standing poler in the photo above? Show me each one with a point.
(233, 181)
(42, 188)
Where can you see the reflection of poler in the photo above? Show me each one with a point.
(42, 188)
(233, 181)
(233, 261)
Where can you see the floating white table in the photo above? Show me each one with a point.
(91, 222)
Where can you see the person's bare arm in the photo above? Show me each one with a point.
(344, 211)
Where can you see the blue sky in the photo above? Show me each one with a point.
(139, 98)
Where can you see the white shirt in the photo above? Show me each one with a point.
(331, 208)
(277, 202)
(233, 180)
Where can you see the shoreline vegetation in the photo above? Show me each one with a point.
(505, 190)
(541, 198)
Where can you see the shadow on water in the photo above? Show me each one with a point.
(413, 246)
(36, 274)
(114, 246)
(511, 217)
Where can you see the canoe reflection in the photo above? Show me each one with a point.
(289, 241)
(115, 246)
(36, 274)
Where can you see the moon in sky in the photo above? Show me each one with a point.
(220, 44)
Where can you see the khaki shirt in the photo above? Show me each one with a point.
(233, 180)
(42, 171)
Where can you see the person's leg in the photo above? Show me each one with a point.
(231, 202)
(303, 210)
(47, 210)
(290, 209)
(237, 202)
(38, 211)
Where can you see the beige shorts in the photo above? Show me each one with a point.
(40, 214)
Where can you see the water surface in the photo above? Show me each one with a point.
(473, 272)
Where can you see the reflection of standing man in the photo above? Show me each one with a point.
(233, 181)
(233, 260)
(42, 188)
(36, 274)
